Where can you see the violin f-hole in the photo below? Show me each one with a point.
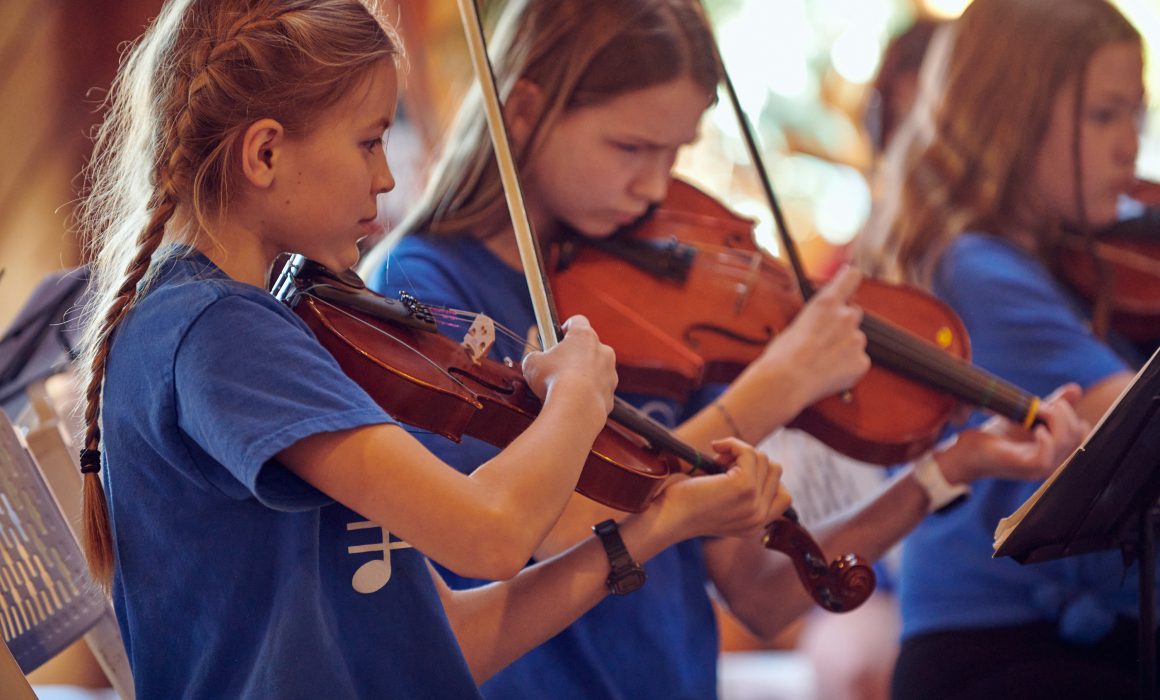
(710, 329)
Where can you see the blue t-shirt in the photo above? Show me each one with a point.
(1026, 329)
(659, 642)
(235, 578)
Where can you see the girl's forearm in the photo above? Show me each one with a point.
(498, 623)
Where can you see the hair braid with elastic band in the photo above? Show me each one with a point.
(98, 537)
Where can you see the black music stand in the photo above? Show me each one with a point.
(1103, 497)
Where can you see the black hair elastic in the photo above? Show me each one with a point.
(90, 461)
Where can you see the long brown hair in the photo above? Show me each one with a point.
(968, 160)
(579, 53)
(186, 91)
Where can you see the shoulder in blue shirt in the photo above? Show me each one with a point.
(234, 577)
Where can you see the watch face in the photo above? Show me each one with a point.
(627, 581)
(607, 527)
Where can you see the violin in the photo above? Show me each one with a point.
(1121, 263)
(395, 351)
(706, 302)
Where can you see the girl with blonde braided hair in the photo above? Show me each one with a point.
(266, 522)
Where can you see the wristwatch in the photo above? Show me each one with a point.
(626, 575)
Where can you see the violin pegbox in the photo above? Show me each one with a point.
(479, 338)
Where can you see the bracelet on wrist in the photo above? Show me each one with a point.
(728, 418)
(942, 493)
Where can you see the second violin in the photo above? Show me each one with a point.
(707, 301)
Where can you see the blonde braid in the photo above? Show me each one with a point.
(95, 512)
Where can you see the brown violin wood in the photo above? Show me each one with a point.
(427, 380)
(1128, 252)
(674, 333)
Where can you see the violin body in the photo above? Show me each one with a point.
(895, 418)
(715, 301)
(1128, 252)
(427, 380)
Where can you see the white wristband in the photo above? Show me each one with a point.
(941, 492)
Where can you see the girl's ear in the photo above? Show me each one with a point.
(523, 109)
(261, 150)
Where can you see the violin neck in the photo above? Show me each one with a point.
(638, 422)
(921, 361)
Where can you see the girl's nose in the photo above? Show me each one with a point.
(652, 184)
(384, 180)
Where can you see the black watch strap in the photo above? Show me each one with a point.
(625, 574)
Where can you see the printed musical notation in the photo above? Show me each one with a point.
(373, 574)
(46, 597)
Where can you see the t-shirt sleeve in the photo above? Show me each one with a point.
(252, 382)
(1022, 325)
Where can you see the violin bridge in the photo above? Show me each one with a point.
(479, 338)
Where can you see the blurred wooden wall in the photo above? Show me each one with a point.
(56, 58)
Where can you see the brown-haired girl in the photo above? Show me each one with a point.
(599, 96)
(1030, 129)
(264, 517)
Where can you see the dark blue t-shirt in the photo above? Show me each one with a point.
(1026, 329)
(236, 579)
(659, 642)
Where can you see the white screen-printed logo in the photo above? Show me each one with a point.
(374, 574)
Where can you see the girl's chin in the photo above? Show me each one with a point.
(598, 230)
(1102, 218)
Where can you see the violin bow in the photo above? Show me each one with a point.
(841, 585)
(749, 136)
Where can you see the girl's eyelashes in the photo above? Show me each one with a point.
(626, 147)
(1106, 115)
(379, 140)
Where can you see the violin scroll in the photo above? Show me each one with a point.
(837, 586)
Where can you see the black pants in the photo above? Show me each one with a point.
(1025, 662)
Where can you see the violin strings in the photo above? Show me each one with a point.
(467, 317)
(969, 381)
(940, 369)
(463, 315)
(395, 338)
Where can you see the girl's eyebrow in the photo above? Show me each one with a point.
(647, 142)
(1113, 94)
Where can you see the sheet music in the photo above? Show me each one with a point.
(1007, 525)
(822, 481)
(46, 597)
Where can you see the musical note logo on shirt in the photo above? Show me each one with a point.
(374, 574)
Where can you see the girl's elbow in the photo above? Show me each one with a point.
(491, 563)
(499, 551)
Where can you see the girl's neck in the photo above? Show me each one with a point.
(230, 247)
